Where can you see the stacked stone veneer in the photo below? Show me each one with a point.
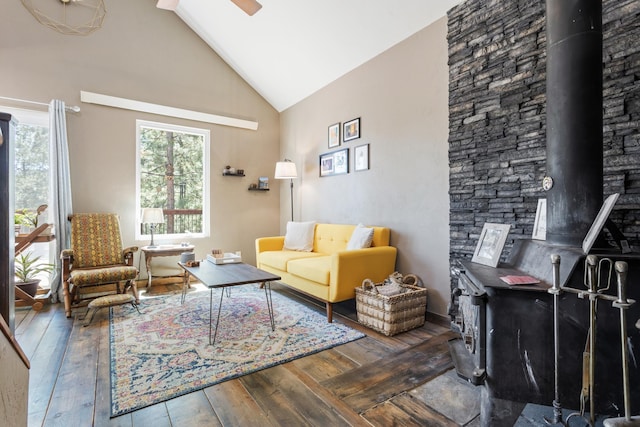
(497, 111)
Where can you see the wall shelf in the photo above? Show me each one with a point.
(258, 189)
(232, 174)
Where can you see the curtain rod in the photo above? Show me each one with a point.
(73, 108)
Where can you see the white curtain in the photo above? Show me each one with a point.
(60, 179)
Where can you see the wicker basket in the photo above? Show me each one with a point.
(392, 314)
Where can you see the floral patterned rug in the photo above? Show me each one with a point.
(164, 352)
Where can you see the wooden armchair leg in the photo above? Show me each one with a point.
(67, 298)
(329, 312)
(134, 290)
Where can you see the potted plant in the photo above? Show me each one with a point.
(28, 218)
(27, 267)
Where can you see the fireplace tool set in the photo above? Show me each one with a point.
(594, 270)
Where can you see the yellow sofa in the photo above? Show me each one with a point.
(329, 272)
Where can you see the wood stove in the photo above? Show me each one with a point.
(506, 343)
(507, 333)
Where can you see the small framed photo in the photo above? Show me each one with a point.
(490, 244)
(361, 158)
(540, 225)
(263, 183)
(351, 130)
(326, 164)
(334, 163)
(599, 222)
(341, 161)
(334, 135)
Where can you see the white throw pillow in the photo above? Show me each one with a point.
(361, 238)
(299, 236)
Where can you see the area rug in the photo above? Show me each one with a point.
(164, 352)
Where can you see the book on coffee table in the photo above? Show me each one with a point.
(519, 280)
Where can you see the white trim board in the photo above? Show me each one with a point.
(163, 110)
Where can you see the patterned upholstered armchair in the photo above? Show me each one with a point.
(96, 259)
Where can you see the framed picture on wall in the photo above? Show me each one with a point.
(361, 158)
(326, 164)
(490, 244)
(351, 130)
(334, 163)
(341, 161)
(334, 135)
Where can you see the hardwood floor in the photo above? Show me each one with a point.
(377, 380)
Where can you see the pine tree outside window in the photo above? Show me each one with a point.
(172, 168)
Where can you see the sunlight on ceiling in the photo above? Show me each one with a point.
(291, 48)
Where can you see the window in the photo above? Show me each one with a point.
(31, 159)
(172, 169)
(31, 185)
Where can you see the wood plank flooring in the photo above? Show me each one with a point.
(374, 381)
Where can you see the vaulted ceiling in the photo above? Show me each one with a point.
(290, 49)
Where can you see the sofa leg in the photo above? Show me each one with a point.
(329, 312)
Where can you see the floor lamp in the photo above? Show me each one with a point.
(287, 170)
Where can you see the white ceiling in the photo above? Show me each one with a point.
(292, 48)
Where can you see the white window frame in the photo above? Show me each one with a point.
(206, 211)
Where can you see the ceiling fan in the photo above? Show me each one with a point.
(250, 7)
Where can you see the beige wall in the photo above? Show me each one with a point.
(150, 55)
(401, 97)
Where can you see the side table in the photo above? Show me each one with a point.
(162, 251)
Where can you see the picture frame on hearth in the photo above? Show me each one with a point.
(333, 136)
(490, 244)
(599, 222)
(540, 224)
(351, 130)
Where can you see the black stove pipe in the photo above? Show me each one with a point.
(574, 118)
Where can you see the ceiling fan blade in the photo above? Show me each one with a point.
(167, 4)
(250, 7)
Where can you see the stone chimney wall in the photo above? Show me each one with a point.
(497, 117)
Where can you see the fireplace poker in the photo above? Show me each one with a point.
(622, 303)
(556, 291)
(592, 282)
(592, 279)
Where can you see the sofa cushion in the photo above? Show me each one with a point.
(280, 259)
(316, 269)
(299, 236)
(360, 238)
(332, 238)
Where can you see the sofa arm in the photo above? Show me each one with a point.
(350, 268)
(269, 244)
(264, 244)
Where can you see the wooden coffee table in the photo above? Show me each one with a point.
(224, 276)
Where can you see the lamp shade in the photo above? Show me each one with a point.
(286, 170)
(152, 216)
